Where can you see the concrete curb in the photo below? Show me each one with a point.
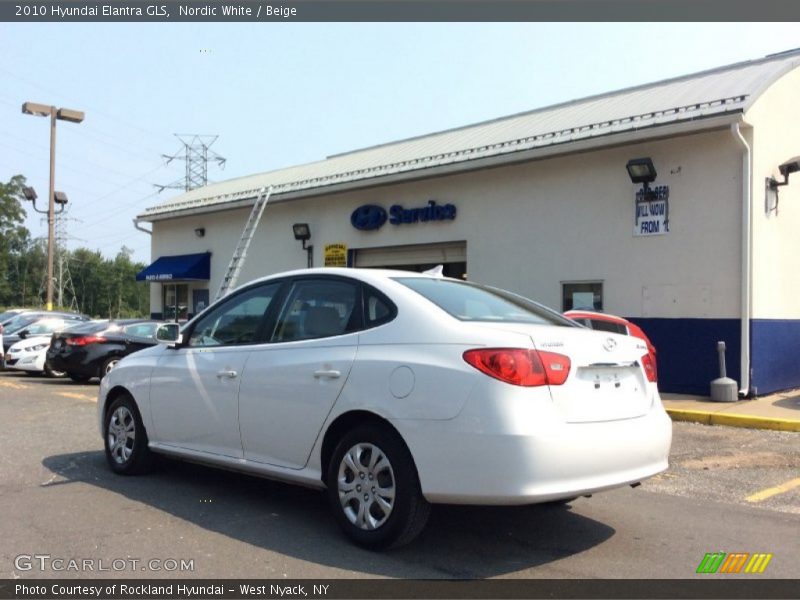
(733, 420)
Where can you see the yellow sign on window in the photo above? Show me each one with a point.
(335, 255)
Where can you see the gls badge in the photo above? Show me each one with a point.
(368, 217)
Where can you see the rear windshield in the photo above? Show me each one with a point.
(471, 302)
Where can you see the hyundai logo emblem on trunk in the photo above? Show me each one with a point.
(368, 217)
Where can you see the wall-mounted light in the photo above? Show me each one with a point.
(786, 169)
(200, 231)
(641, 170)
(302, 232)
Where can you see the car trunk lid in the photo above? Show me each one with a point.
(606, 381)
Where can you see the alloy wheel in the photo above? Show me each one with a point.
(121, 434)
(366, 485)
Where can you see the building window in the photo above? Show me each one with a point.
(582, 296)
(176, 301)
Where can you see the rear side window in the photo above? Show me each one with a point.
(317, 309)
(470, 302)
(378, 309)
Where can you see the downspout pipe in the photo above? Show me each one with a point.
(140, 228)
(747, 259)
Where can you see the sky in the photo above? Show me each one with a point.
(282, 94)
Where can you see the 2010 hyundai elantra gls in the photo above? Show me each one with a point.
(392, 390)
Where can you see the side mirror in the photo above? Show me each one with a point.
(22, 334)
(169, 333)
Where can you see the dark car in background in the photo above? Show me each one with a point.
(92, 350)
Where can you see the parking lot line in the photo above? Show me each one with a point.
(77, 396)
(13, 386)
(774, 491)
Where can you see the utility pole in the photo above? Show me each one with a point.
(196, 154)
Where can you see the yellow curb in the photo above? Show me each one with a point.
(733, 420)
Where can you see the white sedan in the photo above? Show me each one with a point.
(392, 390)
(29, 355)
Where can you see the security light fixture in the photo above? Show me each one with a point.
(302, 232)
(641, 170)
(60, 198)
(200, 231)
(29, 193)
(55, 114)
(786, 169)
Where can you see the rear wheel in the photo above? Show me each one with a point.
(107, 366)
(53, 373)
(126, 442)
(374, 490)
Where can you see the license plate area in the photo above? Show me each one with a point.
(603, 392)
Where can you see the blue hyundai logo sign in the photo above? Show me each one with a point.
(368, 217)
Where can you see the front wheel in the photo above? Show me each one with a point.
(126, 442)
(374, 490)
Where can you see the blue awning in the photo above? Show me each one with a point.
(184, 267)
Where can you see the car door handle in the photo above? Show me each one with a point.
(227, 373)
(330, 374)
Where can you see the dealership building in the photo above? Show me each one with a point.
(672, 204)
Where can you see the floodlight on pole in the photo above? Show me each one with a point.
(60, 114)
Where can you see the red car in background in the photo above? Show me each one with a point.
(613, 324)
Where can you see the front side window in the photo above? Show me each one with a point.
(236, 321)
(471, 302)
(317, 309)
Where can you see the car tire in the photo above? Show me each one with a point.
(53, 373)
(107, 366)
(125, 438)
(387, 510)
(78, 378)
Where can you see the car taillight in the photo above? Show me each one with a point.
(84, 340)
(518, 366)
(649, 364)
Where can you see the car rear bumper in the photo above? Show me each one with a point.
(466, 462)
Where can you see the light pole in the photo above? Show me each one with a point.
(63, 114)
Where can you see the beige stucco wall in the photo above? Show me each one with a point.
(530, 227)
(776, 234)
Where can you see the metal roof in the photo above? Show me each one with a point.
(722, 91)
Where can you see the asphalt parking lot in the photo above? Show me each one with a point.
(58, 498)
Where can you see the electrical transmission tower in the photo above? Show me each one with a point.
(63, 281)
(196, 154)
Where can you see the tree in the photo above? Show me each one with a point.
(14, 240)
